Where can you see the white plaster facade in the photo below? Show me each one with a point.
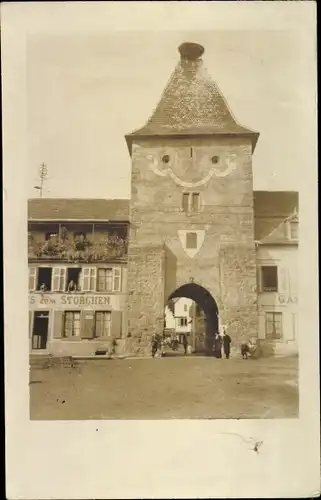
(283, 302)
(180, 319)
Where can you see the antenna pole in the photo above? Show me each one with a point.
(43, 172)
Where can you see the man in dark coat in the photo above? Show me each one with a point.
(226, 344)
(185, 343)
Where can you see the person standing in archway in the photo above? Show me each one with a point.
(185, 343)
(226, 343)
(217, 346)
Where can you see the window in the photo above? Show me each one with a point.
(89, 277)
(195, 202)
(72, 324)
(273, 325)
(185, 202)
(165, 159)
(191, 240)
(294, 230)
(105, 280)
(185, 307)
(73, 279)
(269, 279)
(102, 324)
(44, 279)
(59, 279)
(32, 279)
(181, 322)
(191, 202)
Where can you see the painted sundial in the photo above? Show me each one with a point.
(191, 167)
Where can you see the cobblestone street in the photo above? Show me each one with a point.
(166, 388)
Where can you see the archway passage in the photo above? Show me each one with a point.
(206, 308)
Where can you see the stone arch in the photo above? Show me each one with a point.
(207, 304)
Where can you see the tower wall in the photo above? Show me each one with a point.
(225, 263)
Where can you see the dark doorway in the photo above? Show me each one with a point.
(40, 330)
(206, 314)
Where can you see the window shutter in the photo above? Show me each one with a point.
(85, 279)
(116, 279)
(116, 321)
(282, 280)
(55, 279)
(93, 279)
(259, 279)
(63, 272)
(278, 327)
(269, 325)
(58, 324)
(98, 324)
(87, 327)
(32, 278)
(30, 323)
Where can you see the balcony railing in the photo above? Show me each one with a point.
(114, 247)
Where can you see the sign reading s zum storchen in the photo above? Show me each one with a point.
(72, 301)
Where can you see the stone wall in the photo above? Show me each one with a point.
(146, 272)
(239, 290)
(225, 264)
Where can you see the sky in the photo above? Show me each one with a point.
(85, 91)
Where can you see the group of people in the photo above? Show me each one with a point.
(221, 345)
(222, 341)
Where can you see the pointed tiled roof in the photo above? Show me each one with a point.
(191, 104)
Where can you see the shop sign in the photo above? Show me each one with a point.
(69, 300)
(284, 299)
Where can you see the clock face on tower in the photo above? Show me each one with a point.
(191, 167)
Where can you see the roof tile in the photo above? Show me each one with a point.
(191, 104)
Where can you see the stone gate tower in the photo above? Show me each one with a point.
(191, 206)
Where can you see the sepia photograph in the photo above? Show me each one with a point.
(181, 299)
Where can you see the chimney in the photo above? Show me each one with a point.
(190, 51)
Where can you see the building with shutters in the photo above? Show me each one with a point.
(77, 252)
(102, 271)
(277, 236)
(178, 315)
(88, 318)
